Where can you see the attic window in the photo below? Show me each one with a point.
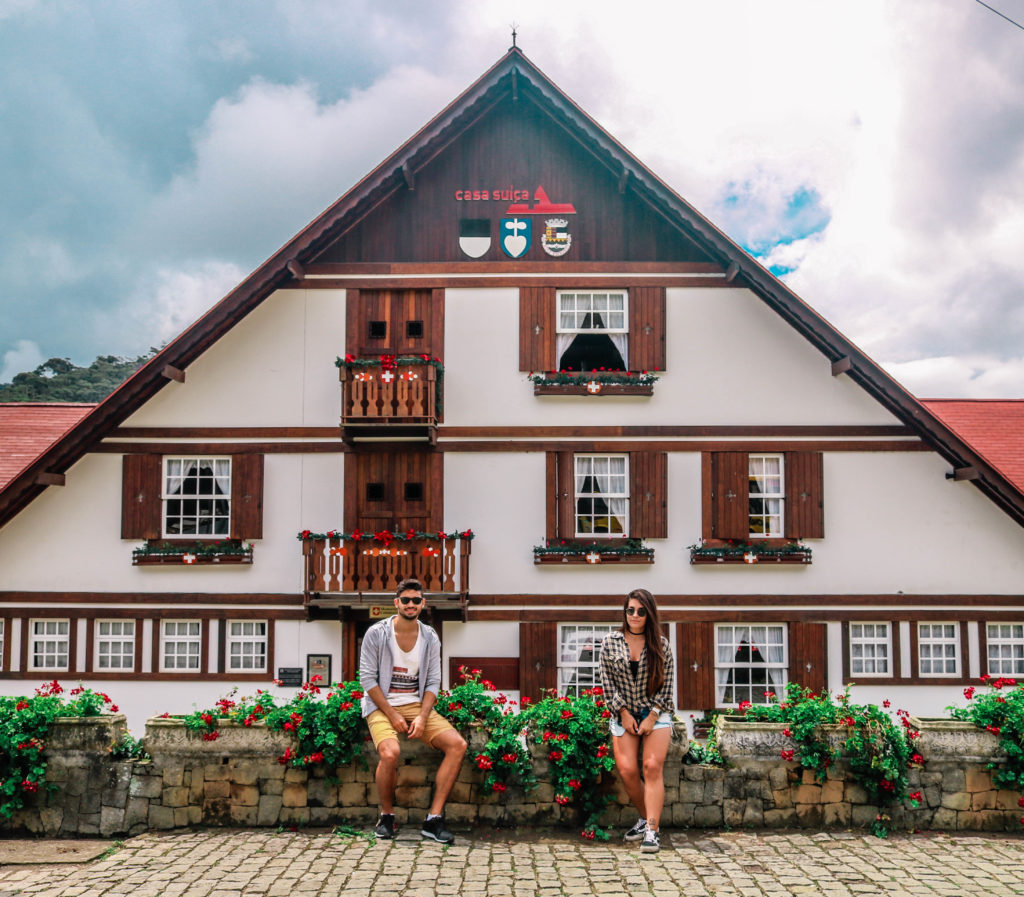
(414, 329)
(378, 329)
(592, 331)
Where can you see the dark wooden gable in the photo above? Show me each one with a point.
(516, 147)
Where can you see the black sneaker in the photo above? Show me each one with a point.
(386, 827)
(435, 828)
(651, 842)
(637, 832)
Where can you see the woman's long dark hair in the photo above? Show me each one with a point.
(652, 639)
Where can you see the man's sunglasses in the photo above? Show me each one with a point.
(639, 611)
(411, 599)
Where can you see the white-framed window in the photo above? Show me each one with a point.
(938, 649)
(766, 492)
(1005, 643)
(592, 330)
(181, 644)
(247, 646)
(579, 655)
(115, 644)
(870, 649)
(601, 499)
(197, 496)
(49, 644)
(750, 663)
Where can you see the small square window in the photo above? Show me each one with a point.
(414, 492)
(375, 492)
(414, 329)
(938, 649)
(378, 329)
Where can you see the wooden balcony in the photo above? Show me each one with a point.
(378, 401)
(349, 569)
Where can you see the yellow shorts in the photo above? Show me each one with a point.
(381, 728)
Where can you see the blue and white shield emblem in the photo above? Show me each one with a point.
(515, 236)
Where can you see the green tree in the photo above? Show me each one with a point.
(60, 380)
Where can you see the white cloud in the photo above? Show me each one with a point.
(971, 377)
(25, 356)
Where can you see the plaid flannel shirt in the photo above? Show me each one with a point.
(621, 689)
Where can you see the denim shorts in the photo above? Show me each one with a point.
(664, 722)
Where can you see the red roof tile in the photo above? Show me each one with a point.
(27, 429)
(994, 427)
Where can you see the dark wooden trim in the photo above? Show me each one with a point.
(823, 603)
(983, 645)
(5, 658)
(51, 479)
(156, 598)
(222, 643)
(172, 373)
(218, 448)
(271, 434)
(842, 366)
(508, 280)
(551, 495)
(684, 446)
(963, 473)
(152, 677)
(548, 560)
(542, 269)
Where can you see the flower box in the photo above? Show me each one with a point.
(748, 553)
(192, 554)
(632, 552)
(593, 383)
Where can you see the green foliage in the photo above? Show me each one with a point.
(878, 750)
(1000, 710)
(128, 748)
(59, 380)
(575, 378)
(574, 730)
(505, 756)
(563, 546)
(24, 727)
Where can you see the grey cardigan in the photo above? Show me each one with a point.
(376, 661)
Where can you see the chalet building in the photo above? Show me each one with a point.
(515, 364)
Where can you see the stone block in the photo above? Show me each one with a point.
(175, 797)
(836, 815)
(244, 795)
(694, 773)
(409, 774)
(691, 792)
(89, 824)
(161, 817)
(50, 821)
(708, 816)
(714, 788)
(111, 820)
(807, 794)
(809, 815)
(954, 780)
(782, 799)
(353, 794)
(961, 800)
(1007, 800)
(944, 819)
(732, 811)
(832, 791)
(781, 818)
(146, 786)
(272, 786)
(320, 794)
(216, 772)
(807, 777)
(460, 813)
(759, 789)
(778, 777)
(181, 817)
(682, 814)
(244, 814)
(294, 795)
(996, 821)
(543, 793)
(243, 772)
(753, 813)
(863, 815)
(978, 780)
(296, 775)
(932, 796)
(983, 800)
(136, 811)
(295, 816)
(174, 775)
(215, 790)
(854, 794)
(412, 796)
(269, 810)
(194, 815)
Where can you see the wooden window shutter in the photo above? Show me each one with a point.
(538, 661)
(537, 329)
(807, 655)
(247, 497)
(560, 485)
(647, 329)
(730, 511)
(648, 495)
(695, 645)
(140, 496)
(805, 508)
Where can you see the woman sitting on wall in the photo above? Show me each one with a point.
(636, 673)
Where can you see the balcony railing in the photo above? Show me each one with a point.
(390, 392)
(354, 566)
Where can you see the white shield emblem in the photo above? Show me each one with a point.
(475, 236)
(515, 236)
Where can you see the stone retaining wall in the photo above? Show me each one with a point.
(237, 780)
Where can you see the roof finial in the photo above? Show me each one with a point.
(514, 45)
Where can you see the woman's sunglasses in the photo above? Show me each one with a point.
(411, 599)
(639, 611)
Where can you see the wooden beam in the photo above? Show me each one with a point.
(965, 473)
(295, 269)
(50, 479)
(173, 373)
(623, 180)
(731, 272)
(842, 365)
(409, 176)
(515, 85)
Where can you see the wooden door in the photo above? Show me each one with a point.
(393, 490)
(394, 322)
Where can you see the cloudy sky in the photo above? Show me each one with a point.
(872, 153)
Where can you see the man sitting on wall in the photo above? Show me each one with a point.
(400, 671)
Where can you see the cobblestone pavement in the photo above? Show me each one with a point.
(221, 863)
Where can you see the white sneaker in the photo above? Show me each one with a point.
(651, 842)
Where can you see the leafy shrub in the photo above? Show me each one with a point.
(1000, 710)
